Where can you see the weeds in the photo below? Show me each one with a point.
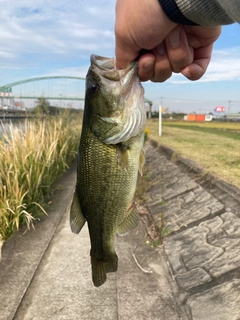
(155, 227)
(146, 134)
(31, 159)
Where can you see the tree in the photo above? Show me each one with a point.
(42, 107)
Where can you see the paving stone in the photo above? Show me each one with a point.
(231, 224)
(229, 241)
(175, 196)
(190, 278)
(186, 209)
(221, 302)
(165, 172)
(208, 246)
(189, 250)
(179, 185)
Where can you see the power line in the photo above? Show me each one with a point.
(193, 100)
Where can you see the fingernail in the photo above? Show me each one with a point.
(174, 38)
(161, 49)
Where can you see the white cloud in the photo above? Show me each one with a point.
(52, 30)
(74, 72)
(50, 38)
(224, 66)
(5, 54)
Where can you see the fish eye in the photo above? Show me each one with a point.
(94, 87)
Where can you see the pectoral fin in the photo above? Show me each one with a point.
(141, 162)
(77, 219)
(122, 155)
(130, 222)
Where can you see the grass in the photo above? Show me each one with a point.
(155, 228)
(32, 157)
(228, 130)
(214, 146)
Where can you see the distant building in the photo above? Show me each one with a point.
(198, 117)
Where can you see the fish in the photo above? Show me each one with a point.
(110, 156)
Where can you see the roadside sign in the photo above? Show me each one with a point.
(219, 109)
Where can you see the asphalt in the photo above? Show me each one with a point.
(45, 273)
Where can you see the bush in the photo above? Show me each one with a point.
(32, 157)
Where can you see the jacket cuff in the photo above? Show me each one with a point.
(172, 11)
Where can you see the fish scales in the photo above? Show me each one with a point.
(110, 155)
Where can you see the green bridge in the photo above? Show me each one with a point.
(8, 89)
(69, 89)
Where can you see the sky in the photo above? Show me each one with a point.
(56, 38)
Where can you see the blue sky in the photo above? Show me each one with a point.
(50, 38)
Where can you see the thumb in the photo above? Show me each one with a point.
(124, 55)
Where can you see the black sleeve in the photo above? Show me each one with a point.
(172, 11)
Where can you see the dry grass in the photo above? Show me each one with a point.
(214, 146)
(31, 159)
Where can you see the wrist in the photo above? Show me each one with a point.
(172, 11)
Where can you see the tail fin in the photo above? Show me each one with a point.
(101, 268)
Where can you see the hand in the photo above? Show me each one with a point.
(171, 47)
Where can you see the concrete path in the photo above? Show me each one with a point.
(46, 273)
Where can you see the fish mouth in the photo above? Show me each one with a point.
(126, 96)
(102, 63)
(106, 69)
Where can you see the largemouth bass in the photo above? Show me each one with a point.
(110, 155)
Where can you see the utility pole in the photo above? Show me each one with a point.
(160, 118)
(229, 105)
(161, 103)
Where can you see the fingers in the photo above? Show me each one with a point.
(146, 65)
(170, 56)
(163, 68)
(155, 66)
(185, 49)
(179, 53)
(198, 67)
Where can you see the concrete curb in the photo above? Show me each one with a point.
(208, 180)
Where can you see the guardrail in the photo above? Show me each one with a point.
(14, 113)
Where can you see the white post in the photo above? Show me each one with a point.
(160, 120)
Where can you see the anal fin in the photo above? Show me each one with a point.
(130, 222)
(77, 219)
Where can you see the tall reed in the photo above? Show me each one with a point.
(31, 159)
